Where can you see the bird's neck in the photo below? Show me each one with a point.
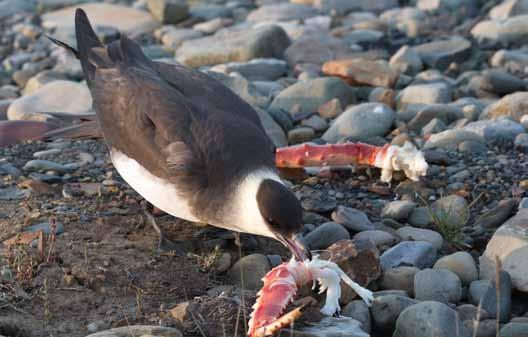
(243, 211)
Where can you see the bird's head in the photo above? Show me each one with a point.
(282, 213)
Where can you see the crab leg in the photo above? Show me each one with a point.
(388, 157)
(280, 287)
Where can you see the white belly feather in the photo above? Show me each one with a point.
(157, 191)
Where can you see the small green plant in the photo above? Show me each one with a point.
(450, 223)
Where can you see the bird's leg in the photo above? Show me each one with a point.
(164, 244)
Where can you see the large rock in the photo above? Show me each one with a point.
(510, 245)
(128, 20)
(502, 32)
(307, 96)
(56, 96)
(362, 72)
(500, 82)
(514, 106)
(440, 54)
(460, 263)
(386, 309)
(418, 254)
(439, 285)
(234, 45)
(430, 317)
(361, 122)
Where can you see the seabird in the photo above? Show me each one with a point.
(185, 142)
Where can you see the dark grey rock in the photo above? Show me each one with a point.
(460, 263)
(234, 45)
(46, 228)
(489, 300)
(359, 311)
(399, 278)
(352, 219)
(500, 82)
(249, 270)
(409, 233)
(441, 53)
(361, 122)
(308, 96)
(439, 285)
(398, 210)
(419, 254)
(168, 11)
(325, 235)
(514, 329)
(430, 316)
(386, 309)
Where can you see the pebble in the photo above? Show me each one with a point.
(409, 233)
(361, 122)
(491, 33)
(399, 278)
(13, 193)
(282, 12)
(233, 45)
(8, 168)
(429, 316)
(510, 244)
(308, 96)
(315, 122)
(251, 269)
(300, 135)
(451, 208)
(501, 82)
(172, 37)
(386, 309)
(45, 153)
(223, 263)
(460, 263)
(418, 254)
(439, 285)
(325, 235)
(476, 290)
(352, 219)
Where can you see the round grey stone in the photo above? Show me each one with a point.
(421, 234)
(430, 316)
(400, 278)
(326, 234)
(460, 263)
(249, 271)
(419, 254)
(439, 285)
(386, 309)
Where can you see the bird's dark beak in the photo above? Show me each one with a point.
(298, 247)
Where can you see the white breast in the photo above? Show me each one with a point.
(157, 191)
